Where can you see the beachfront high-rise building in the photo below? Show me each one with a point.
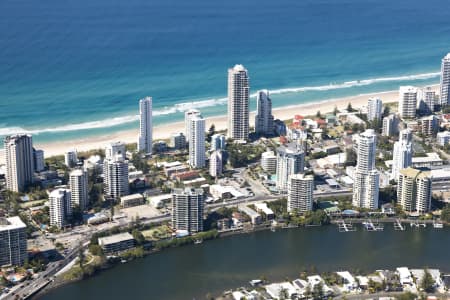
(71, 158)
(390, 125)
(402, 153)
(115, 149)
(19, 162)
(414, 190)
(407, 102)
(218, 142)
(300, 193)
(145, 139)
(366, 178)
(290, 161)
(215, 163)
(238, 103)
(115, 172)
(264, 118)
(187, 117)
(445, 81)
(187, 209)
(427, 100)
(60, 207)
(374, 109)
(39, 161)
(78, 180)
(13, 242)
(197, 156)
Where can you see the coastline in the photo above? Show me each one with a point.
(164, 131)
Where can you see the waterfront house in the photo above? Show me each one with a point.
(349, 282)
(284, 290)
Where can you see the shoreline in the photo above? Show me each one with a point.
(164, 131)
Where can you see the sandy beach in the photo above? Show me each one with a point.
(163, 132)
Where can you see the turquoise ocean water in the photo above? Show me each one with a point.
(70, 69)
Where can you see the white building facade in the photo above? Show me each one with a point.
(407, 102)
(238, 103)
(13, 242)
(78, 180)
(187, 209)
(60, 207)
(145, 139)
(290, 161)
(445, 81)
(216, 163)
(366, 178)
(300, 193)
(197, 156)
(402, 153)
(374, 109)
(115, 172)
(19, 162)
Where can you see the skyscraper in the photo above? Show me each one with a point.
(414, 190)
(145, 139)
(71, 158)
(60, 207)
(187, 209)
(114, 149)
(19, 162)
(215, 163)
(218, 142)
(238, 103)
(427, 100)
(264, 118)
(290, 160)
(197, 156)
(445, 81)
(390, 125)
(366, 178)
(39, 161)
(78, 180)
(13, 242)
(300, 193)
(407, 102)
(187, 117)
(115, 171)
(402, 153)
(374, 109)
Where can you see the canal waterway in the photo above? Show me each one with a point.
(191, 272)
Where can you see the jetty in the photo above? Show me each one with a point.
(398, 225)
(345, 227)
(371, 226)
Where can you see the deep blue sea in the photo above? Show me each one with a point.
(71, 68)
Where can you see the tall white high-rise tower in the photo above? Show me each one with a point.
(145, 139)
(264, 117)
(238, 102)
(445, 81)
(366, 178)
(402, 154)
(197, 156)
(19, 162)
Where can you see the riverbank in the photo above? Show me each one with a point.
(164, 132)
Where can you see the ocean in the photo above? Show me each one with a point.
(71, 69)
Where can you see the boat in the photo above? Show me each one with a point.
(199, 241)
(255, 282)
(438, 225)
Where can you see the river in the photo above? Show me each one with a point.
(191, 272)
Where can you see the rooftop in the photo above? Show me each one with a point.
(11, 223)
(117, 238)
